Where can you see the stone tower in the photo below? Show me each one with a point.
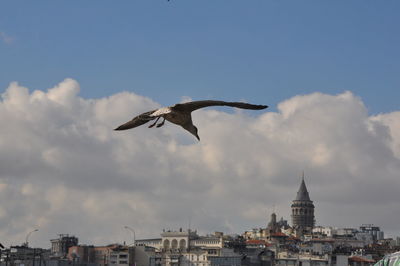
(273, 226)
(303, 211)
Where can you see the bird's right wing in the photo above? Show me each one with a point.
(191, 106)
(137, 121)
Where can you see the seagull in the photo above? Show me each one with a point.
(180, 114)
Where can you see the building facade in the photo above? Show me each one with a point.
(60, 246)
(184, 248)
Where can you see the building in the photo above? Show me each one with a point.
(372, 230)
(23, 255)
(273, 226)
(323, 231)
(295, 259)
(113, 254)
(60, 246)
(184, 248)
(176, 241)
(122, 256)
(81, 254)
(303, 219)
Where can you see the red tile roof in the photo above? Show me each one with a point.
(256, 242)
(360, 259)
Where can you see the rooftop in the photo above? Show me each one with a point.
(302, 194)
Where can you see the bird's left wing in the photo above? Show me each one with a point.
(137, 121)
(191, 106)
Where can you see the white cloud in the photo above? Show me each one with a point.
(389, 124)
(63, 169)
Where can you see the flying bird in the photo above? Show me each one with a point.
(180, 114)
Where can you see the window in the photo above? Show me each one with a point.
(212, 251)
(182, 244)
(174, 244)
(166, 244)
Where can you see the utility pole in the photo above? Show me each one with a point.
(40, 258)
(8, 256)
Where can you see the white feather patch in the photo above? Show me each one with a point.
(161, 111)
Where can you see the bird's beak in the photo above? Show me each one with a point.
(197, 136)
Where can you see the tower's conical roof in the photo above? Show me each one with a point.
(302, 194)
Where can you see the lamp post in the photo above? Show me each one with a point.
(28, 235)
(134, 243)
(134, 235)
(26, 244)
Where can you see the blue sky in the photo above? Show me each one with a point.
(260, 51)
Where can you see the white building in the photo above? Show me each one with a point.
(327, 231)
(184, 248)
(286, 259)
(345, 232)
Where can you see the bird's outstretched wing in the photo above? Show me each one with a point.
(191, 106)
(137, 121)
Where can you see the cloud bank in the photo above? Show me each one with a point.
(64, 170)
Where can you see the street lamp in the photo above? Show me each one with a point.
(134, 243)
(26, 243)
(28, 235)
(133, 231)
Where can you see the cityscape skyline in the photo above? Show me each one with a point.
(275, 244)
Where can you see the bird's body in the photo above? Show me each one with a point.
(180, 114)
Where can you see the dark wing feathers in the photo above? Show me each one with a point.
(137, 121)
(191, 106)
